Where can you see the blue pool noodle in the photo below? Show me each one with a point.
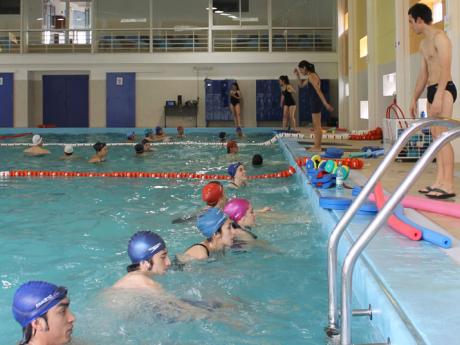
(428, 235)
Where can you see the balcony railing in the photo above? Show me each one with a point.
(166, 40)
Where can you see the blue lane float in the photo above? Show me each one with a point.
(341, 203)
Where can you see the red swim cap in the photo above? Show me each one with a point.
(212, 192)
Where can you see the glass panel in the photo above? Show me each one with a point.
(10, 17)
(35, 14)
(304, 13)
(226, 12)
(122, 14)
(255, 13)
(180, 14)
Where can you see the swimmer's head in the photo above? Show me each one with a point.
(34, 299)
(143, 245)
(232, 168)
(139, 148)
(210, 221)
(241, 212)
(148, 132)
(212, 193)
(130, 135)
(222, 136)
(284, 80)
(420, 14)
(37, 140)
(232, 146)
(306, 67)
(98, 147)
(180, 130)
(158, 130)
(68, 150)
(257, 160)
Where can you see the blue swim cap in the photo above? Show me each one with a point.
(158, 130)
(143, 245)
(34, 298)
(232, 169)
(210, 221)
(148, 131)
(130, 135)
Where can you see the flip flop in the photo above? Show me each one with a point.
(442, 196)
(426, 190)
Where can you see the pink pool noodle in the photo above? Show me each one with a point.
(451, 209)
(396, 224)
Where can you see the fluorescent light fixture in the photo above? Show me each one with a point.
(133, 20)
(225, 14)
(39, 18)
(364, 110)
(212, 8)
(363, 47)
(218, 12)
(233, 17)
(60, 19)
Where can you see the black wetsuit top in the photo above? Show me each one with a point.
(288, 99)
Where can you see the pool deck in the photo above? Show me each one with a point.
(421, 282)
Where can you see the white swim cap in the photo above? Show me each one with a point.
(37, 139)
(68, 149)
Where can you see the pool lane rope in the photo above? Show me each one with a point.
(169, 143)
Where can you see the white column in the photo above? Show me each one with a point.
(342, 37)
(372, 70)
(353, 48)
(403, 67)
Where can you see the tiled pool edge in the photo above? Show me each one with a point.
(394, 323)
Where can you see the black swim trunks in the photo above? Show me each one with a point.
(431, 91)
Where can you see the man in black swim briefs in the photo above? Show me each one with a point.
(435, 71)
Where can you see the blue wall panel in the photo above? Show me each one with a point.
(217, 99)
(66, 100)
(268, 101)
(6, 99)
(304, 106)
(121, 99)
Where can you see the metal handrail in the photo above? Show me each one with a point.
(339, 229)
(368, 234)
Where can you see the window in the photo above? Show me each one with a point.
(301, 13)
(389, 84)
(364, 110)
(363, 47)
(228, 12)
(180, 14)
(122, 14)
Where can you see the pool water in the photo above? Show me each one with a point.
(74, 232)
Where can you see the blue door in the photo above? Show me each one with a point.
(66, 100)
(217, 99)
(268, 100)
(121, 99)
(6, 99)
(305, 106)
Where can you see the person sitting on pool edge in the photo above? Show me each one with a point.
(101, 153)
(42, 310)
(232, 147)
(239, 132)
(237, 172)
(37, 147)
(219, 233)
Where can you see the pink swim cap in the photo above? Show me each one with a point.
(236, 208)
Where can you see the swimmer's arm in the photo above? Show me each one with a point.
(264, 210)
(290, 89)
(444, 49)
(422, 79)
(302, 82)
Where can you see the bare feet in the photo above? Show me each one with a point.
(315, 149)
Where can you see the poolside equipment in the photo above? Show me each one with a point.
(395, 223)
(333, 152)
(342, 203)
(375, 134)
(143, 245)
(210, 221)
(34, 298)
(368, 152)
(236, 208)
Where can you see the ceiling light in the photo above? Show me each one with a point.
(218, 12)
(39, 18)
(212, 8)
(60, 19)
(225, 14)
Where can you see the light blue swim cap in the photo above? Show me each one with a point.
(143, 245)
(148, 132)
(34, 298)
(210, 221)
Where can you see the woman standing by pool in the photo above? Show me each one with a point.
(317, 99)
(235, 107)
(289, 105)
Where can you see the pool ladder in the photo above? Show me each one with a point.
(344, 330)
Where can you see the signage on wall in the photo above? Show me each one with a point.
(1, 81)
(119, 81)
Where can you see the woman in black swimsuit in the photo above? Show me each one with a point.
(288, 102)
(317, 99)
(235, 108)
(215, 225)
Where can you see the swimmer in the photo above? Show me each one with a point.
(37, 147)
(219, 233)
(101, 153)
(180, 132)
(316, 98)
(257, 160)
(235, 106)
(242, 213)
(237, 172)
(149, 257)
(147, 145)
(131, 136)
(148, 135)
(222, 137)
(289, 105)
(232, 147)
(42, 310)
(139, 149)
(68, 153)
(160, 134)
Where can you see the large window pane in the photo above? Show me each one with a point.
(122, 14)
(304, 13)
(229, 12)
(180, 14)
(10, 14)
